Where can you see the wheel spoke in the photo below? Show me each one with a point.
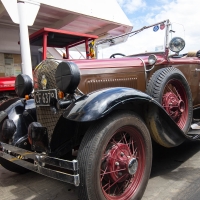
(135, 152)
(133, 149)
(115, 190)
(177, 94)
(106, 185)
(125, 138)
(124, 185)
(109, 188)
(170, 90)
(104, 157)
(113, 171)
(103, 173)
(120, 139)
(115, 182)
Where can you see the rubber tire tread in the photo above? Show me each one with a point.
(87, 150)
(155, 86)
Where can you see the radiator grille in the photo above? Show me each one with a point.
(44, 114)
(96, 84)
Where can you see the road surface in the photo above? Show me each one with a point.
(175, 176)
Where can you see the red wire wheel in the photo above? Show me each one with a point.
(170, 88)
(115, 158)
(175, 102)
(123, 164)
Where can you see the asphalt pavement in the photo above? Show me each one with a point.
(175, 176)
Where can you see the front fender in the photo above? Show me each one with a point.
(17, 108)
(20, 118)
(100, 103)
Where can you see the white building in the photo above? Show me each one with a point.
(104, 18)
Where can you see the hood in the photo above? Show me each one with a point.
(117, 62)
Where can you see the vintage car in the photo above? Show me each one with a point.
(96, 118)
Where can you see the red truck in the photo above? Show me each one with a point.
(7, 91)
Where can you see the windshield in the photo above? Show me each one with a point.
(148, 39)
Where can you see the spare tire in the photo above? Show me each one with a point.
(169, 87)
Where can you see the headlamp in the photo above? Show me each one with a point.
(152, 59)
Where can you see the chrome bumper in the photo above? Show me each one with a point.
(41, 163)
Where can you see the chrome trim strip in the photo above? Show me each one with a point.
(71, 165)
(40, 160)
(145, 70)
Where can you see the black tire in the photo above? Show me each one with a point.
(96, 143)
(171, 81)
(7, 164)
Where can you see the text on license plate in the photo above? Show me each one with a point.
(42, 97)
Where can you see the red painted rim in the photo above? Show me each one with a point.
(175, 102)
(126, 145)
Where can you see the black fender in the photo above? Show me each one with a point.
(5, 104)
(98, 104)
(22, 115)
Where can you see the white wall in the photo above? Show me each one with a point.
(9, 37)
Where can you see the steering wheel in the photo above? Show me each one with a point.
(117, 54)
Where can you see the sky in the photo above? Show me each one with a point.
(184, 14)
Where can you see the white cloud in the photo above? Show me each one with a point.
(185, 13)
(164, 1)
(132, 5)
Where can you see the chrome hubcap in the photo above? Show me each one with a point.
(132, 166)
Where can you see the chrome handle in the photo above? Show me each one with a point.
(197, 70)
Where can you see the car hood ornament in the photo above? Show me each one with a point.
(44, 82)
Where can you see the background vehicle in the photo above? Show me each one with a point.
(7, 89)
(109, 110)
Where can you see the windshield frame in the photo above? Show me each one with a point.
(132, 33)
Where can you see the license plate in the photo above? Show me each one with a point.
(42, 97)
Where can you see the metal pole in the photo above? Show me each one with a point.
(96, 51)
(44, 54)
(87, 48)
(24, 40)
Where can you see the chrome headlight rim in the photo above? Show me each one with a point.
(152, 59)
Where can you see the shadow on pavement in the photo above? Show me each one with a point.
(168, 164)
(167, 159)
